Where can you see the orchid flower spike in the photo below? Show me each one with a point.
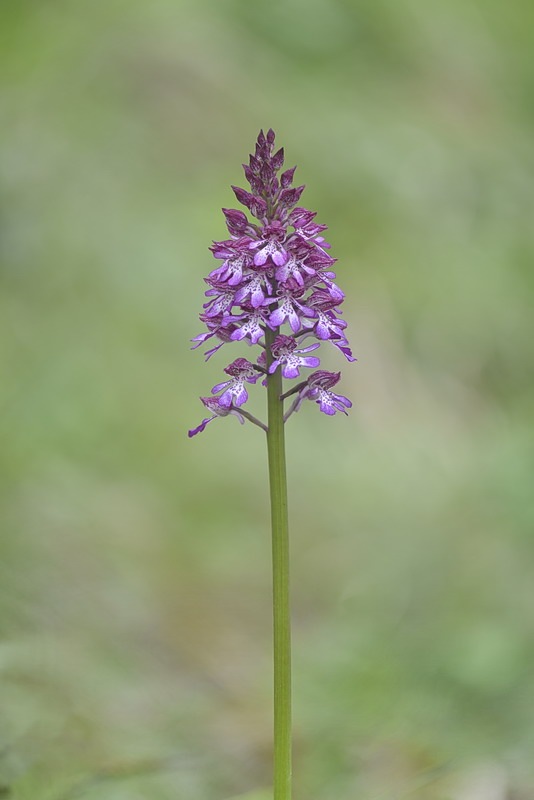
(273, 287)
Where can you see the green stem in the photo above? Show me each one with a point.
(281, 608)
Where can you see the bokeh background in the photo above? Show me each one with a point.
(135, 652)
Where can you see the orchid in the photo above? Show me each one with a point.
(274, 290)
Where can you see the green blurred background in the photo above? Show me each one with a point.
(134, 563)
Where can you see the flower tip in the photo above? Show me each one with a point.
(198, 429)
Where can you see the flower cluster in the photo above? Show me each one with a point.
(275, 271)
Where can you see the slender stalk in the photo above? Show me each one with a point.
(253, 419)
(281, 606)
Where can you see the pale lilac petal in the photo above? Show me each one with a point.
(220, 386)
(237, 335)
(241, 294)
(322, 330)
(346, 402)
(294, 320)
(326, 407)
(290, 370)
(225, 400)
(277, 317)
(309, 348)
(279, 257)
(257, 297)
(200, 339)
(240, 395)
(261, 257)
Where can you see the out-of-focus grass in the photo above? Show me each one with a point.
(134, 563)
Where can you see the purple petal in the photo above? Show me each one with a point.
(339, 401)
(240, 395)
(241, 294)
(213, 350)
(290, 371)
(225, 400)
(294, 320)
(310, 347)
(200, 339)
(343, 400)
(257, 297)
(322, 330)
(277, 317)
(345, 349)
(310, 361)
(235, 279)
(256, 335)
(220, 386)
(261, 257)
(326, 407)
(200, 428)
(279, 257)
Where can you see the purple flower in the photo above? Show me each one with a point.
(235, 393)
(251, 324)
(285, 352)
(302, 221)
(220, 327)
(237, 222)
(318, 388)
(290, 308)
(343, 345)
(223, 299)
(236, 261)
(212, 404)
(273, 278)
(296, 268)
(254, 287)
(328, 324)
(271, 245)
(333, 290)
(256, 205)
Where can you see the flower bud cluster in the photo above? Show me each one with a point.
(275, 271)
